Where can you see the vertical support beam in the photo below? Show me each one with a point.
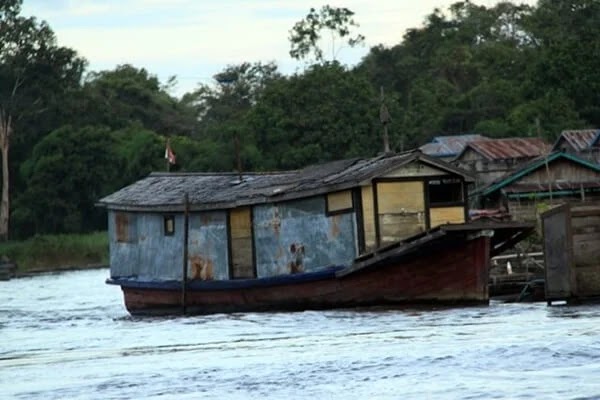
(253, 242)
(376, 214)
(229, 246)
(186, 226)
(360, 222)
(426, 204)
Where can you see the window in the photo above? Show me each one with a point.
(339, 202)
(169, 225)
(445, 192)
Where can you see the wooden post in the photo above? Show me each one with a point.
(186, 224)
(384, 118)
(539, 134)
(238, 157)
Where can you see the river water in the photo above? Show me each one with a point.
(68, 336)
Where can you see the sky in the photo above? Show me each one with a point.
(195, 39)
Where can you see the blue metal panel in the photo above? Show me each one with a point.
(160, 256)
(207, 250)
(123, 255)
(297, 236)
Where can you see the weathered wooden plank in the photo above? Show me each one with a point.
(339, 201)
(242, 258)
(560, 284)
(395, 197)
(446, 215)
(368, 212)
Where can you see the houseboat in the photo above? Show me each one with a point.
(386, 230)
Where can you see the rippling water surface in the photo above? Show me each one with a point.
(68, 336)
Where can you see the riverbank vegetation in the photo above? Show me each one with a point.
(76, 135)
(42, 253)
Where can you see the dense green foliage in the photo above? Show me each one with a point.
(49, 252)
(509, 70)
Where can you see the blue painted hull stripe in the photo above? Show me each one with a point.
(134, 283)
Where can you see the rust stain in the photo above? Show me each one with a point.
(296, 265)
(202, 268)
(334, 228)
(276, 222)
(280, 253)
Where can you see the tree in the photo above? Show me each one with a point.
(221, 111)
(70, 169)
(305, 34)
(326, 113)
(34, 72)
(128, 96)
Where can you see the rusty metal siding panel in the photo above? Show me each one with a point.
(208, 251)
(297, 236)
(160, 257)
(124, 255)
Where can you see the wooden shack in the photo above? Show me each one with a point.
(572, 252)
(583, 143)
(541, 183)
(490, 160)
(269, 224)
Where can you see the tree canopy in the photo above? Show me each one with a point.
(76, 135)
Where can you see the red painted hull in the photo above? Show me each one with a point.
(450, 271)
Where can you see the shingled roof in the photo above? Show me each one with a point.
(579, 140)
(508, 148)
(166, 191)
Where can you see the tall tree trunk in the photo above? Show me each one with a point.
(5, 130)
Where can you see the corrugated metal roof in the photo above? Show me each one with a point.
(165, 191)
(509, 148)
(579, 140)
(447, 146)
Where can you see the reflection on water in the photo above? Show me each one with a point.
(68, 336)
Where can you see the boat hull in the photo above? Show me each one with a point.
(444, 271)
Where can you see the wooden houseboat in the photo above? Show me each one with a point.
(361, 232)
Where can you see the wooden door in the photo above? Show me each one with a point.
(242, 254)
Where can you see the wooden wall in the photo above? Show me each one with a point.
(585, 228)
(242, 259)
(368, 212)
(561, 170)
(445, 215)
(400, 210)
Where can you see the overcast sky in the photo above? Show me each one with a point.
(194, 39)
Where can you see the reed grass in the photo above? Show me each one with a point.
(57, 252)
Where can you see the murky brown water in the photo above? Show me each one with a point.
(68, 336)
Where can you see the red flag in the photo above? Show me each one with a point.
(169, 155)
